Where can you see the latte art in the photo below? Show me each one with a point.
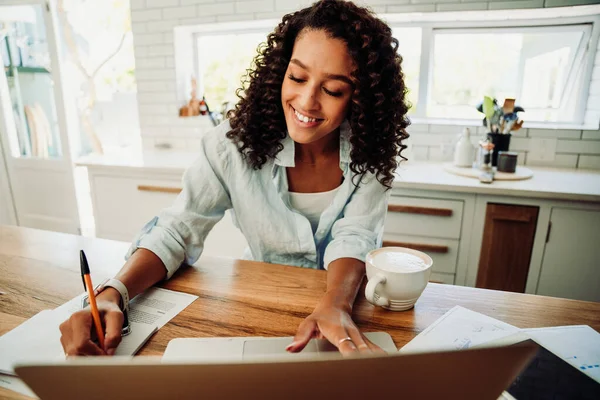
(396, 261)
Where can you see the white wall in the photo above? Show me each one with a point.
(153, 22)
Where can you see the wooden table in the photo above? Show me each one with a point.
(40, 270)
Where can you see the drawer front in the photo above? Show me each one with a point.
(123, 205)
(424, 217)
(438, 277)
(443, 252)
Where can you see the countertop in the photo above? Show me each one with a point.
(549, 183)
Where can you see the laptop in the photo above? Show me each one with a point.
(466, 374)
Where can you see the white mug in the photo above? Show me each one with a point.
(396, 290)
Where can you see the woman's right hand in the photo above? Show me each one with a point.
(76, 332)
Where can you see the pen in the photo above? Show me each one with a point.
(87, 285)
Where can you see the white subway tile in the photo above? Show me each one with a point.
(154, 109)
(455, 129)
(138, 27)
(235, 17)
(157, 98)
(555, 133)
(589, 162)
(420, 153)
(156, 131)
(292, 5)
(161, 3)
(160, 50)
(578, 146)
(149, 63)
(145, 15)
(155, 74)
(505, 5)
(462, 6)
(188, 2)
(561, 3)
(243, 7)
(519, 144)
(429, 1)
(152, 86)
(560, 161)
(216, 9)
(148, 39)
(147, 142)
(140, 51)
(179, 12)
(198, 20)
(270, 15)
(430, 139)
(521, 158)
(194, 145)
(137, 4)
(411, 8)
(161, 26)
(370, 3)
(157, 120)
(424, 128)
(591, 135)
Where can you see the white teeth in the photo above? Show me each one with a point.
(304, 118)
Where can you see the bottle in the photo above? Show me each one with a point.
(203, 106)
(463, 153)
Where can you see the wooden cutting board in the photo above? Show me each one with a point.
(520, 174)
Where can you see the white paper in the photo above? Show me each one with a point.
(38, 338)
(16, 385)
(579, 345)
(458, 329)
(157, 306)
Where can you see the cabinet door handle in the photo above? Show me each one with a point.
(442, 212)
(161, 189)
(425, 247)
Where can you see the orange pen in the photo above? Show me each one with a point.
(87, 285)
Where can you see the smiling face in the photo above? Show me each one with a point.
(316, 90)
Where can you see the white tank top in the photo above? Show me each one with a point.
(312, 205)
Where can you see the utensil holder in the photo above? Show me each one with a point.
(501, 142)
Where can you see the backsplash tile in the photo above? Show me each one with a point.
(589, 162)
(560, 161)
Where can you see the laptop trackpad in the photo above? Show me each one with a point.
(273, 346)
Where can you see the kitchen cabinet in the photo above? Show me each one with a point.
(509, 232)
(432, 223)
(571, 261)
(125, 199)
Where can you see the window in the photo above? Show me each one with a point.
(541, 67)
(222, 62)
(542, 58)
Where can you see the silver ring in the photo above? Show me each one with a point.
(346, 339)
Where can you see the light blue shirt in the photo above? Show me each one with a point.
(220, 179)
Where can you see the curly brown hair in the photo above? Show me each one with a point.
(377, 114)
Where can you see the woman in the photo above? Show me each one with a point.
(305, 163)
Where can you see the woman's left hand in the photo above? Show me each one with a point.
(334, 322)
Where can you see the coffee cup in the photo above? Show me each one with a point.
(396, 277)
